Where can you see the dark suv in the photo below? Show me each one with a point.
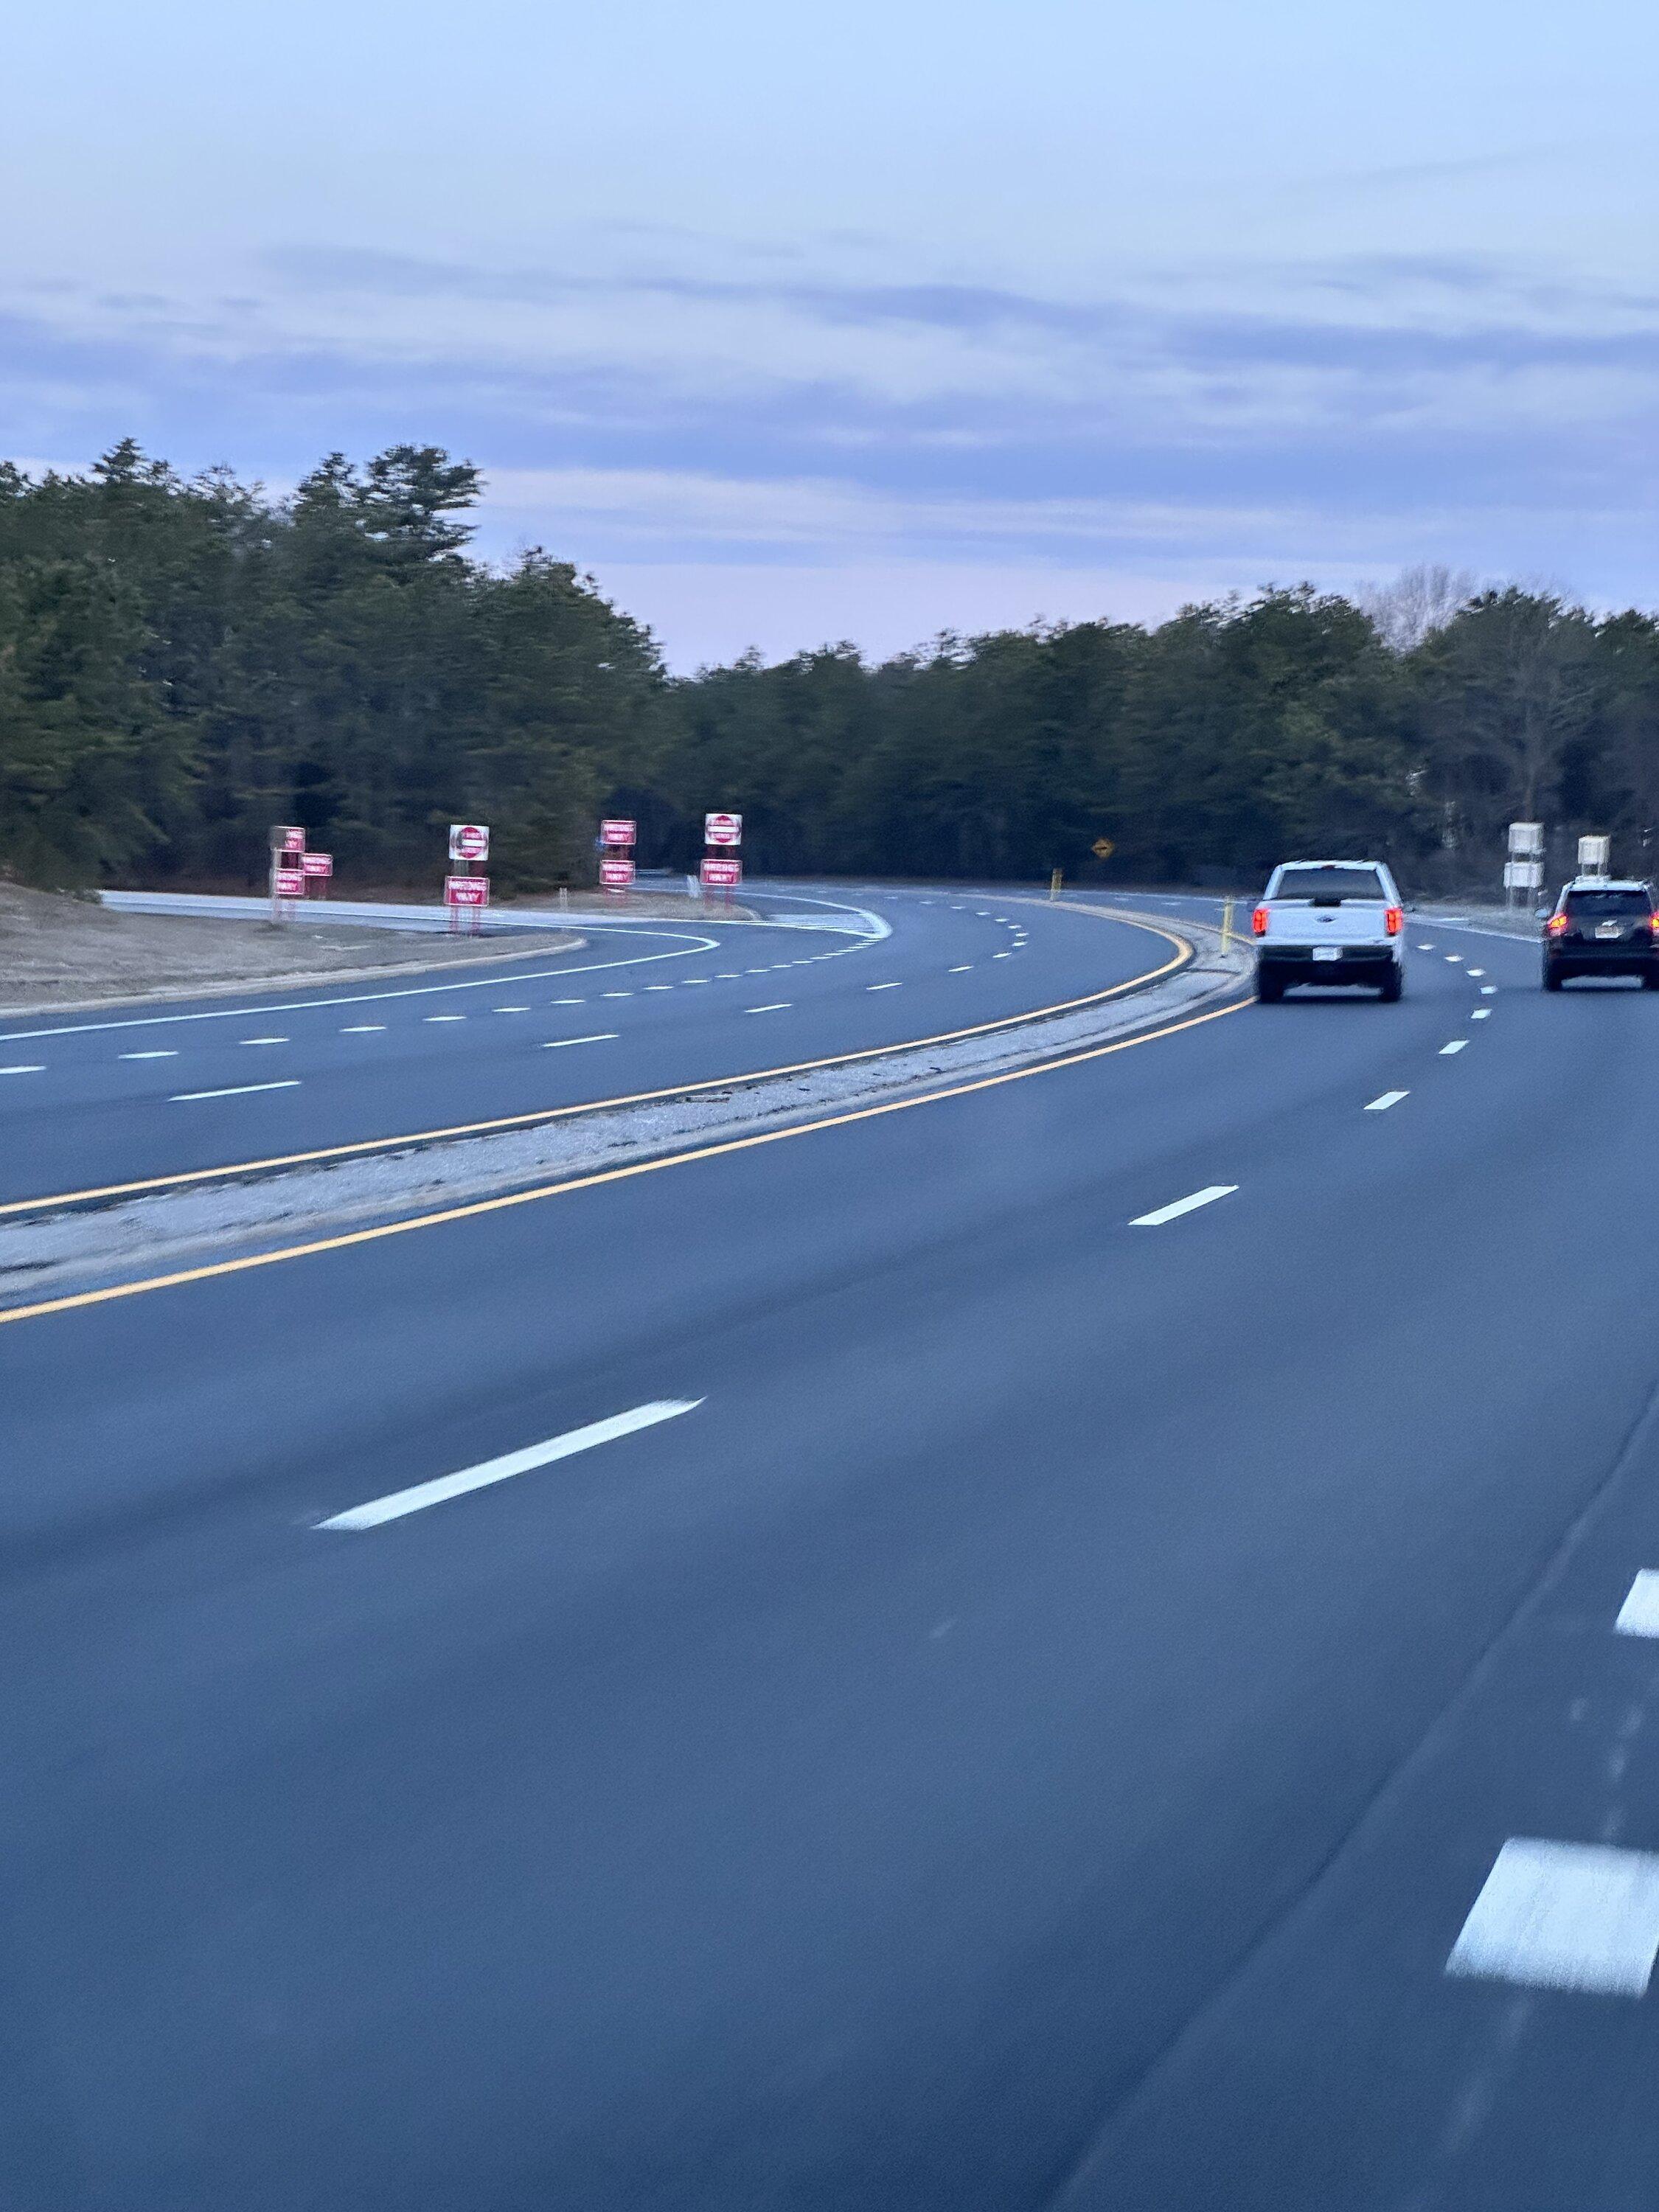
(1602, 928)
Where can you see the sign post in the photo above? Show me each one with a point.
(1524, 869)
(721, 869)
(617, 845)
(467, 895)
(288, 846)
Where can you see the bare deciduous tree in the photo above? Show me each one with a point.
(1419, 602)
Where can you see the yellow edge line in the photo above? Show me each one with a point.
(476, 1207)
(1184, 953)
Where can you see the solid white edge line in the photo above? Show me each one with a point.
(1388, 1098)
(234, 1090)
(398, 1503)
(1207, 1196)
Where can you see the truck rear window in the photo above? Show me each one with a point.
(1597, 904)
(1330, 884)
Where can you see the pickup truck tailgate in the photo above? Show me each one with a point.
(1326, 922)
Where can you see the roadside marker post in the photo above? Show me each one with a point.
(1226, 924)
(1054, 884)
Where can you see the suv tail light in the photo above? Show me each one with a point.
(1395, 920)
(1653, 923)
(1259, 921)
(1557, 925)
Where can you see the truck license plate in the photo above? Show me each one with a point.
(1327, 952)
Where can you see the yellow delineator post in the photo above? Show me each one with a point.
(1226, 923)
(1054, 884)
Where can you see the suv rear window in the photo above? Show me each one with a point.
(1597, 904)
(1330, 884)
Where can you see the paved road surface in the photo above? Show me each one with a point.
(94, 1098)
(1019, 1716)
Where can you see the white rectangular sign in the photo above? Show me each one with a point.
(1523, 875)
(1593, 856)
(1526, 838)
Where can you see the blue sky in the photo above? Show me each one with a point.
(868, 321)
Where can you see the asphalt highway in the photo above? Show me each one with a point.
(1052, 1647)
(93, 1098)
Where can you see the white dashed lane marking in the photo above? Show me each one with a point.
(271, 1040)
(1388, 1098)
(1639, 1614)
(1207, 1196)
(399, 1503)
(364, 1028)
(882, 987)
(1481, 1014)
(509, 1010)
(1456, 1045)
(31, 1068)
(1557, 1915)
(443, 1017)
(168, 1053)
(963, 970)
(558, 1044)
(781, 1006)
(1489, 990)
(234, 1090)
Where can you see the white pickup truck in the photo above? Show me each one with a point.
(1329, 921)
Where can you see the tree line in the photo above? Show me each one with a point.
(184, 661)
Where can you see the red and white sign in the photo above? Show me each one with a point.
(469, 842)
(286, 840)
(618, 833)
(722, 875)
(317, 864)
(616, 875)
(466, 890)
(722, 828)
(287, 882)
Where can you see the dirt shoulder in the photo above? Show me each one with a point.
(56, 953)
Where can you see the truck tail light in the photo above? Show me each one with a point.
(1259, 921)
(1395, 920)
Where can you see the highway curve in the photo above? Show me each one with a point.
(93, 1098)
(980, 1657)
